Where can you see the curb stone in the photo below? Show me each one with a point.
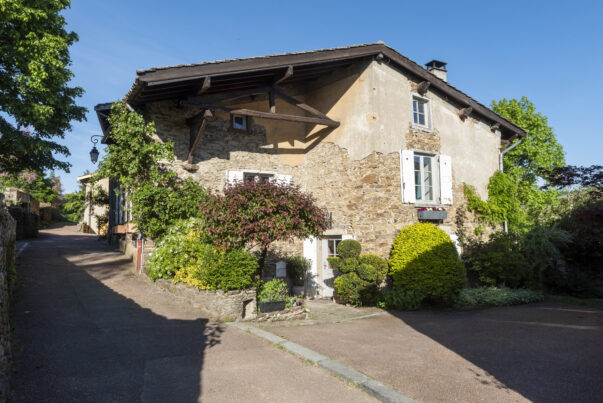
(348, 374)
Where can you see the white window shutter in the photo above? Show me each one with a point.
(407, 175)
(446, 179)
(234, 176)
(310, 252)
(283, 179)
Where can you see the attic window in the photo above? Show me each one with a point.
(421, 112)
(239, 122)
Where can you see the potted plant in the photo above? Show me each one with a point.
(273, 296)
(297, 270)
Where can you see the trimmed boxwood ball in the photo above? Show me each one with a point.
(349, 249)
(424, 258)
(349, 288)
(378, 268)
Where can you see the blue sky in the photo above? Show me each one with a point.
(549, 51)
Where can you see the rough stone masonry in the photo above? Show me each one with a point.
(7, 263)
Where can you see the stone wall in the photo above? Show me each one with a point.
(219, 305)
(7, 263)
(364, 196)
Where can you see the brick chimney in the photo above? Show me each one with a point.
(437, 68)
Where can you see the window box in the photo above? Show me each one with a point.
(272, 306)
(431, 213)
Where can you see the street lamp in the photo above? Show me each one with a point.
(94, 151)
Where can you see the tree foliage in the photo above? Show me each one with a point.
(72, 208)
(588, 178)
(141, 166)
(44, 188)
(255, 213)
(539, 150)
(516, 196)
(36, 101)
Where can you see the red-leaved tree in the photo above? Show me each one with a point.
(257, 214)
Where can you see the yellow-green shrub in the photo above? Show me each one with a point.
(424, 258)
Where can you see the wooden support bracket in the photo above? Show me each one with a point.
(287, 74)
(495, 127)
(205, 86)
(465, 112)
(422, 87)
(196, 131)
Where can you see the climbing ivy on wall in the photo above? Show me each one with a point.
(140, 164)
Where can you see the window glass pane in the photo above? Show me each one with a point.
(422, 119)
(420, 106)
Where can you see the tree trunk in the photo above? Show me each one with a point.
(262, 261)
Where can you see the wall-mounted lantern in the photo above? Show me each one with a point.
(94, 152)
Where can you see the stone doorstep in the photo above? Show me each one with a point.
(348, 374)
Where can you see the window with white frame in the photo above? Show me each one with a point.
(426, 177)
(421, 112)
(239, 122)
(257, 177)
(233, 177)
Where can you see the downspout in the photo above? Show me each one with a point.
(500, 165)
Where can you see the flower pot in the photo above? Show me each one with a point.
(272, 306)
(431, 214)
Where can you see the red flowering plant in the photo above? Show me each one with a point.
(257, 214)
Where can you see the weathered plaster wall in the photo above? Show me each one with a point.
(7, 260)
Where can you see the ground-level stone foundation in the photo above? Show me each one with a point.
(219, 305)
(7, 263)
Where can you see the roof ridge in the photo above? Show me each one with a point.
(152, 69)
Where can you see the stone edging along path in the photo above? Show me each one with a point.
(349, 374)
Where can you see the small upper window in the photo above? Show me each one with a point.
(239, 122)
(257, 177)
(421, 112)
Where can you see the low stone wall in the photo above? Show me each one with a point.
(7, 262)
(220, 305)
(293, 313)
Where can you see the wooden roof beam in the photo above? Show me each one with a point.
(289, 118)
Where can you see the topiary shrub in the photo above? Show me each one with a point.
(349, 249)
(350, 288)
(379, 268)
(361, 275)
(424, 258)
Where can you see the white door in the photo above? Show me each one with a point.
(329, 249)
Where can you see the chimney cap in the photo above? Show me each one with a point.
(436, 64)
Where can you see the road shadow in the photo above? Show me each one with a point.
(545, 352)
(78, 340)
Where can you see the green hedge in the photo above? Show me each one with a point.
(184, 256)
(497, 296)
(424, 258)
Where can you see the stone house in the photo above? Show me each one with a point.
(95, 213)
(375, 137)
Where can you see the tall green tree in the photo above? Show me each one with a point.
(37, 104)
(539, 151)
